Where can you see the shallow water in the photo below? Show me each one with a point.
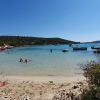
(43, 62)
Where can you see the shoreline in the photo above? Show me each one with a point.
(56, 79)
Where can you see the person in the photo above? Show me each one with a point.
(25, 60)
(21, 60)
(51, 50)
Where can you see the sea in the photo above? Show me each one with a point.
(43, 62)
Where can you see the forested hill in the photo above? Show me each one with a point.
(21, 41)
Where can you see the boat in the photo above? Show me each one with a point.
(97, 51)
(8, 46)
(2, 48)
(65, 50)
(79, 48)
(95, 47)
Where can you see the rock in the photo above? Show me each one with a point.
(75, 87)
(51, 82)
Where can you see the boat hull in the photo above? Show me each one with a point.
(76, 49)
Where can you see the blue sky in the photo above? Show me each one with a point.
(77, 20)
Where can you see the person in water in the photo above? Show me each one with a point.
(51, 50)
(26, 61)
(21, 60)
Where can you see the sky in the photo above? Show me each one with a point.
(77, 20)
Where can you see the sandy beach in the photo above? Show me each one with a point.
(36, 79)
(41, 87)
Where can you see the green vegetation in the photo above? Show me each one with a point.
(21, 41)
(92, 73)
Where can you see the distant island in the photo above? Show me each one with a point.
(96, 41)
(22, 41)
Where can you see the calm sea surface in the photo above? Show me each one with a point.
(43, 62)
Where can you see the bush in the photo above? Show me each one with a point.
(92, 73)
(91, 94)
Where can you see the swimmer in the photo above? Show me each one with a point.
(51, 50)
(26, 61)
(21, 60)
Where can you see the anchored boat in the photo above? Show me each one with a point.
(97, 51)
(95, 47)
(65, 50)
(79, 48)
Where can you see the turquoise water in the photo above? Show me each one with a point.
(43, 62)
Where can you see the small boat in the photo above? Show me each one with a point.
(97, 51)
(5, 47)
(8, 46)
(95, 47)
(65, 50)
(79, 48)
(2, 48)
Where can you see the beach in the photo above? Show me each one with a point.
(49, 50)
(47, 76)
(41, 87)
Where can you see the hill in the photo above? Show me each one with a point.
(96, 41)
(21, 41)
